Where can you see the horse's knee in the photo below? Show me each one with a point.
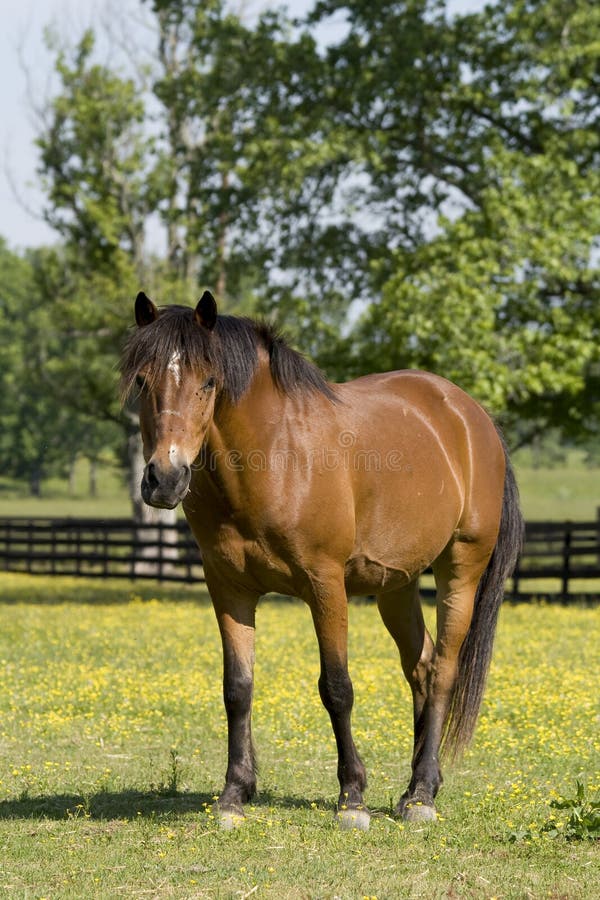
(336, 691)
(237, 693)
(419, 677)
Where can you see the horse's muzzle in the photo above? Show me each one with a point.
(165, 488)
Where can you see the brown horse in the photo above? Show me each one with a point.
(318, 490)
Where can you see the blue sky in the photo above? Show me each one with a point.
(21, 41)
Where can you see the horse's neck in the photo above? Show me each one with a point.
(243, 438)
(237, 427)
(226, 471)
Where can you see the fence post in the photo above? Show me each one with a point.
(31, 545)
(566, 562)
(78, 551)
(134, 551)
(160, 548)
(515, 581)
(106, 552)
(53, 549)
(189, 550)
(7, 545)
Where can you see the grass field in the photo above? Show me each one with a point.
(567, 491)
(59, 499)
(112, 743)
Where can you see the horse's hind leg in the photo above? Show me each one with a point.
(329, 607)
(403, 617)
(457, 574)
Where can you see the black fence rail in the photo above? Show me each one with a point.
(109, 548)
(565, 553)
(559, 559)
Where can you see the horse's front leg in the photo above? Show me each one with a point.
(329, 609)
(236, 624)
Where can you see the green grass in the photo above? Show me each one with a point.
(59, 501)
(112, 747)
(567, 491)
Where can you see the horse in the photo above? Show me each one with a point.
(296, 485)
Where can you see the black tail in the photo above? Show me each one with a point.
(476, 651)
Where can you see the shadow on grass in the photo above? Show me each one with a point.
(133, 804)
(51, 590)
(103, 805)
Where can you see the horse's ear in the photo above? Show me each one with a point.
(145, 310)
(206, 311)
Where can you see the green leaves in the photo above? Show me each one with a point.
(93, 159)
(458, 159)
(583, 822)
(584, 817)
(406, 189)
(495, 300)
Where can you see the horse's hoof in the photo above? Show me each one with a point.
(418, 812)
(353, 819)
(229, 819)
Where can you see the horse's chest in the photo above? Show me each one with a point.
(261, 564)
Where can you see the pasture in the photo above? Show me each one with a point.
(112, 748)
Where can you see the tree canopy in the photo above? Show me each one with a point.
(459, 204)
(395, 185)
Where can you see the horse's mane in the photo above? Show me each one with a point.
(231, 350)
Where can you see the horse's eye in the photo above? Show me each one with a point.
(140, 381)
(209, 383)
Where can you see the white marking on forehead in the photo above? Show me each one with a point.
(170, 412)
(175, 368)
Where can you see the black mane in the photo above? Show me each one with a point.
(230, 350)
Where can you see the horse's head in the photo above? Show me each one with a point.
(169, 363)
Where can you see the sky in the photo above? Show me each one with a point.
(25, 65)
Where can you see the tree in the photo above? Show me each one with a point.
(93, 163)
(453, 198)
(40, 432)
(210, 87)
(504, 299)
(120, 152)
(424, 186)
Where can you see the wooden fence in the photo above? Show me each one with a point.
(559, 560)
(97, 548)
(566, 554)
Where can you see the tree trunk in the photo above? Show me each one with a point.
(93, 482)
(158, 546)
(72, 464)
(35, 479)
(222, 244)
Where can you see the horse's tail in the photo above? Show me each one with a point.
(476, 652)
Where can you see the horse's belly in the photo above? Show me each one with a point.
(364, 575)
(390, 557)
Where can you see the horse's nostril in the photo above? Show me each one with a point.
(151, 475)
(184, 476)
